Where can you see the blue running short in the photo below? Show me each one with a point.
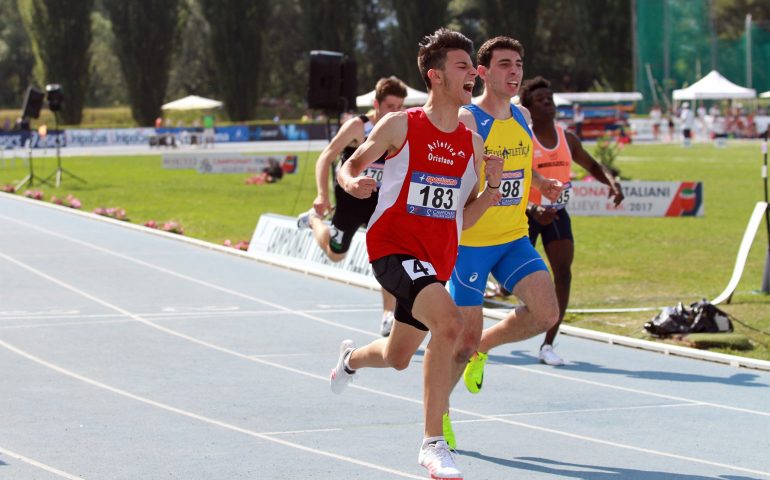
(509, 263)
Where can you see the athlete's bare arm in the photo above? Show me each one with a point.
(549, 187)
(388, 136)
(351, 133)
(493, 170)
(467, 118)
(597, 170)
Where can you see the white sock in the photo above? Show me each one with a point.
(346, 365)
(429, 440)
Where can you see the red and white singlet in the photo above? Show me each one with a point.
(425, 186)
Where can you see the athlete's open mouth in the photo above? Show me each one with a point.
(514, 83)
(468, 87)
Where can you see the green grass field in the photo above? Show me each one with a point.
(619, 262)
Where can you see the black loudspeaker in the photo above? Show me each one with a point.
(349, 84)
(325, 80)
(55, 96)
(33, 102)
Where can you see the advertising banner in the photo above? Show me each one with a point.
(278, 235)
(642, 199)
(227, 162)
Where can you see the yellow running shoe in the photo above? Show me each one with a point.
(449, 434)
(474, 372)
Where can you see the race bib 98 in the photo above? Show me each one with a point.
(511, 187)
(435, 196)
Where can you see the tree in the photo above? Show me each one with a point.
(414, 21)
(146, 35)
(331, 24)
(107, 86)
(237, 28)
(192, 67)
(60, 32)
(16, 57)
(515, 18)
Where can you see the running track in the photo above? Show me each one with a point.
(128, 355)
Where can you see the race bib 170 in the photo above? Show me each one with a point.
(375, 171)
(432, 195)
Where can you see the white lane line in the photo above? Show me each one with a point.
(632, 390)
(35, 463)
(365, 332)
(583, 410)
(195, 416)
(325, 379)
(192, 279)
(64, 324)
(239, 313)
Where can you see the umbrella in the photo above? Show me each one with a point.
(192, 102)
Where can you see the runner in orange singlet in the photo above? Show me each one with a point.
(554, 150)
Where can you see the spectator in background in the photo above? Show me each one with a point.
(671, 126)
(208, 130)
(656, 116)
(688, 122)
(577, 119)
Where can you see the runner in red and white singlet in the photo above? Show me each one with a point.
(429, 191)
(425, 187)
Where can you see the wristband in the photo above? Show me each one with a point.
(493, 188)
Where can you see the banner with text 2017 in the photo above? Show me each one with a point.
(642, 199)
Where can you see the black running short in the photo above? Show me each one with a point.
(391, 272)
(350, 214)
(559, 229)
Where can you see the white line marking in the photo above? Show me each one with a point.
(633, 390)
(37, 464)
(293, 432)
(584, 410)
(191, 279)
(201, 418)
(324, 379)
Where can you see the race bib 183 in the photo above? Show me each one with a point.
(432, 195)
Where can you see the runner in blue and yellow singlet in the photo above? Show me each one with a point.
(498, 243)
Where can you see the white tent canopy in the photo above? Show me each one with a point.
(558, 100)
(713, 87)
(765, 94)
(413, 98)
(192, 102)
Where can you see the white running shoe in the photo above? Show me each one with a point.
(549, 357)
(387, 324)
(439, 461)
(303, 220)
(339, 377)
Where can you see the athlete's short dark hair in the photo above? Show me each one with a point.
(484, 55)
(389, 86)
(529, 86)
(434, 48)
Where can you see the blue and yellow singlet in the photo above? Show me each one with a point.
(510, 139)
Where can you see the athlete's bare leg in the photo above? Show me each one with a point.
(560, 254)
(539, 313)
(395, 351)
(446, 349)
(388, 301)
(322, 236)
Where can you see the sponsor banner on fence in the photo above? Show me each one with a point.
(278, 235)
(227, 162)
(642, 199)
(86, 137)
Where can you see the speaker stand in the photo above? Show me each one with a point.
(31, 177)
(60, 171)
